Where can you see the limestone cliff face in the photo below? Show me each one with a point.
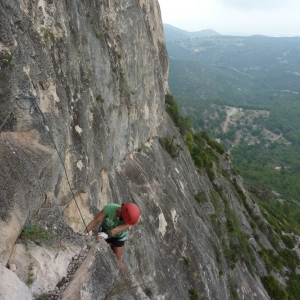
(97, 72)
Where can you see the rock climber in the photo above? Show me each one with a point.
(116, 220)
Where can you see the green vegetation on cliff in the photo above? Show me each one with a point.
(283, 218)
(197, 143)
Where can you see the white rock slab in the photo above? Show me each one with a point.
(11, 287)
(49, 266)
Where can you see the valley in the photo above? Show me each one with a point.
(245, 92)
(242, 70)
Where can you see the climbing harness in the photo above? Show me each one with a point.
(32, 105)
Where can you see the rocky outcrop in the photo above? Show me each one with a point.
(11, 287)
(82, 100)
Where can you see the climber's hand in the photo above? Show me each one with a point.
(102, 235)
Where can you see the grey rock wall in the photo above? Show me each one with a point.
(98, 73)
(95, 73)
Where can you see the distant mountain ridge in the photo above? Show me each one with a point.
(173, 33)
(241, 70)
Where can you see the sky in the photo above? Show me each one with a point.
(234, 17)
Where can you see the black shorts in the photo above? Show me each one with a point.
(116, 242)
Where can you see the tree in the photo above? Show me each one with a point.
(274, 289)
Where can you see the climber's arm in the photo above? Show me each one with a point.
(92, 224)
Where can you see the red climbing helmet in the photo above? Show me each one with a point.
(130, 213)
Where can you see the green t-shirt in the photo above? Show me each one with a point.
(109, 221)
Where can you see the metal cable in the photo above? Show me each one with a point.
(32, 99)
(65, 170)
(11, 110)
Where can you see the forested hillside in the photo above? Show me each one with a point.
(245, 91)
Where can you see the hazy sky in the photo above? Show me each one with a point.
(269, 17)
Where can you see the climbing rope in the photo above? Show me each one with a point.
(11, 110)
(30, 108)
(17, 100)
